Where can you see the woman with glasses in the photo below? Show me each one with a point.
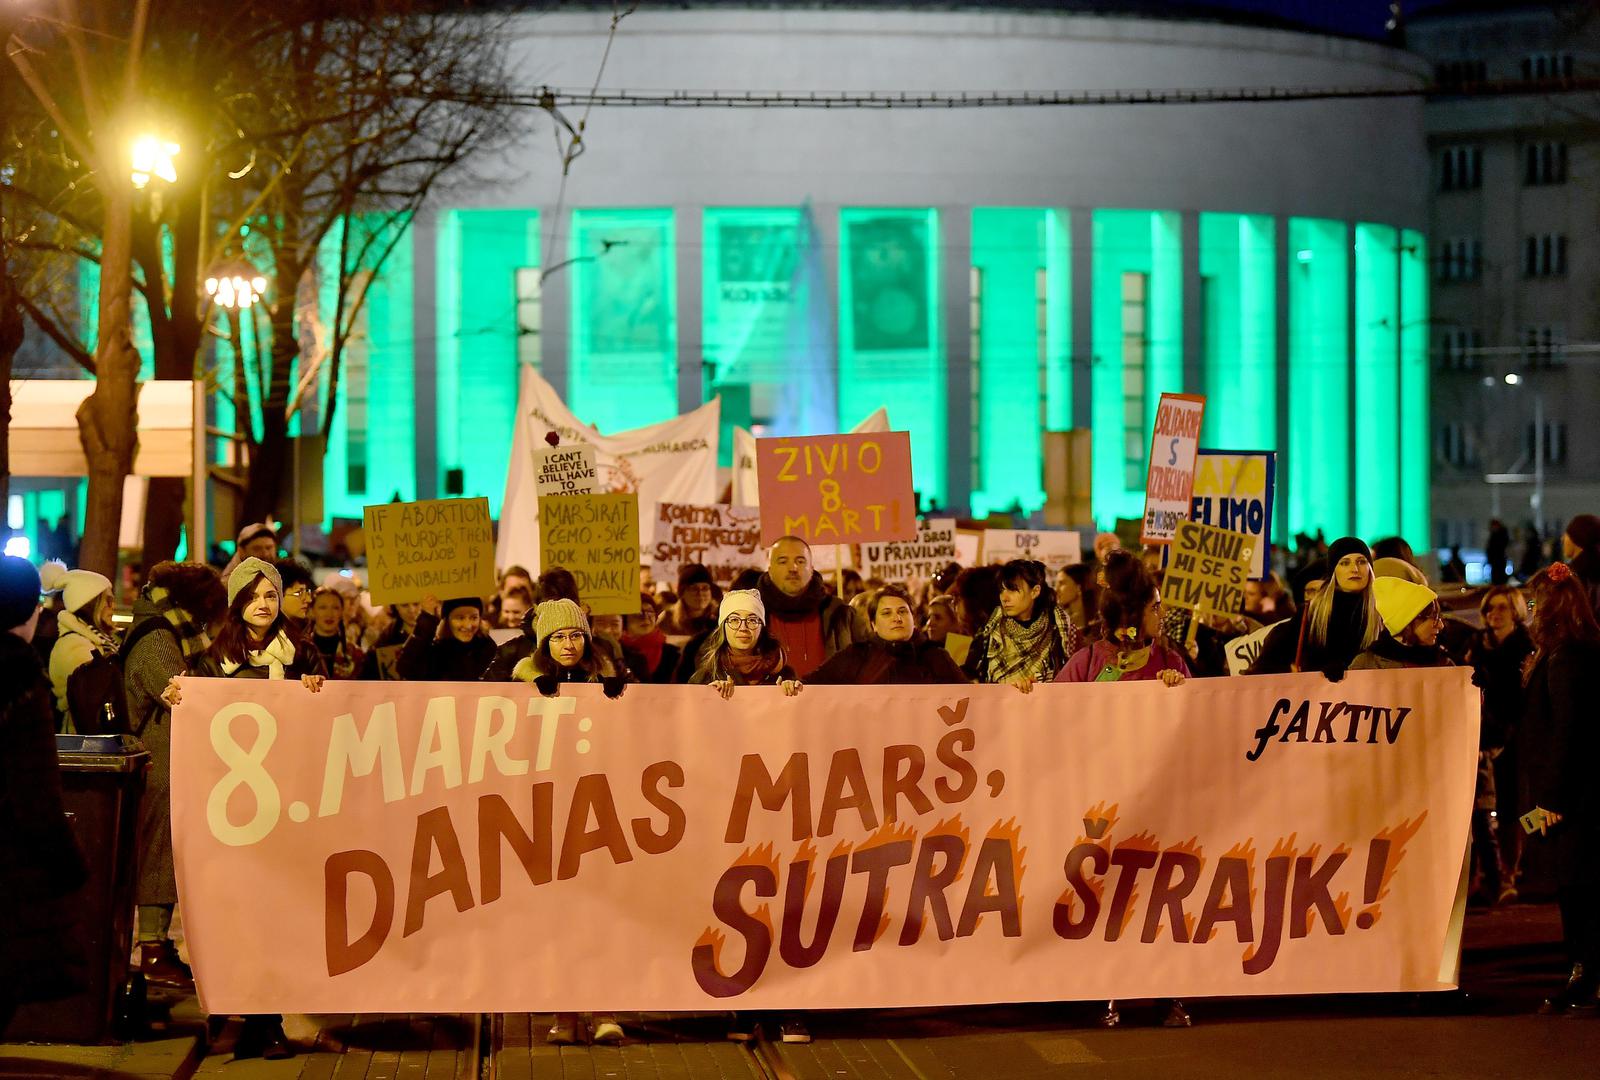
(296, 600)
(1411, 614)
(742, 651)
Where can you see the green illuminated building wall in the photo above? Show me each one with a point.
(371, 448)
(891, 345)
(1138, 347)
(750, 301)
(1022, 275)
(1377, 433)
(479, 254)
(1319, 386)
(1238, 287)
(624, 357)
(1415, 452)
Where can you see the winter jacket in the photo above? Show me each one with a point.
(1559, 744)
(610, 676)
(40, 864)
(307, 661)
(1390, 653)
(76, 645)
(1088, 662)
(383, 659)
(1497, 671)
(425, 659)
(875, 663)
(506, 658)
(841, 627)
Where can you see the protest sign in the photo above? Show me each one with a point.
(913, 560)
(959, 646)
(1053, 547)
(723, 539)
(1169, 485)
(746, 484)
(673, 461)
(669, 850)
(438, 547)
(1206, 569)
(563, 470)
(1243, 650)
(597, 538)
(837, 489)
(1233, 490)
(969, 547)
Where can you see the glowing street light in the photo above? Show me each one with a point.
(236, 292)
(152, 157)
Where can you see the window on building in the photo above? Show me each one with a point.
(1460, 259)
(1461, 168)
(1544, 164)
(1542, 66)
(1457, 445)
(1459, 349)
(1135, 341)
(1544, 256)
(1555, 442)
(1544, 346)
(1454, 74)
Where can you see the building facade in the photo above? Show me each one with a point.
(1515, 222)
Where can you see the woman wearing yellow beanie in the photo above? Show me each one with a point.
(1411, 615)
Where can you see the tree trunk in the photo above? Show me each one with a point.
(177, 347)
(11, 330)
(107, 420)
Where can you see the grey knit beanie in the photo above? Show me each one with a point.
(246, 572)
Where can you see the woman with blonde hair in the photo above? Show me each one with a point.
(1337, 624)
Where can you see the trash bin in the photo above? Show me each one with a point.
(102, 780)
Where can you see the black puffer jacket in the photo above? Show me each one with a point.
(1497, 671)
(40, 865)
(425, 659)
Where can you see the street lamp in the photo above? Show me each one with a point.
(152, 157)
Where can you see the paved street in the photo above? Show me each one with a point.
(1512, 958)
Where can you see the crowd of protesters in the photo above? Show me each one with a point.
(1334, 607)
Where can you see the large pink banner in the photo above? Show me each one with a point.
(427, 847)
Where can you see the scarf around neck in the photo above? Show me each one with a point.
(649, 646)
(98, 639)
(780, 605)
(1036, 648)
(278, 655)
(192, 637)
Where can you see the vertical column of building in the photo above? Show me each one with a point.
(956, 286)
(424, 351)
(691, 359)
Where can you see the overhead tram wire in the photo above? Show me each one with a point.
(1008, 99)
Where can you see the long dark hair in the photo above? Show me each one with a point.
(1561, 609)
(233, 643)
(978, 588)
(1129, 588)
(1023, 574)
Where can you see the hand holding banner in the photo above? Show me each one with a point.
(837, 489)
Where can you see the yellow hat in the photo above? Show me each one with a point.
(1400, 601)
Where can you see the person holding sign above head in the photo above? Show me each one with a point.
(1338, 621)
(742, 652)
(1029, 637)
(1133, 646)
(450, 643)
(811, 624)
(1559, 745)
(895, 654)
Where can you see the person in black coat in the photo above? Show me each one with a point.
(893, 655)
(1334, 625)
(1580, 549)
(40, 865)
(450, 643)
(1560, 744)
(1496, 655)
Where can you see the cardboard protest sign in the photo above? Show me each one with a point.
(1233, 490)
(913, 560)
(959, 646)
(1207, 568)
(1053, 547)
(597, 538)
(724, 539)
(1169, 485)
(564, 470)
(437, 547)
(837, 489)
(477, 847)
(1243, 650)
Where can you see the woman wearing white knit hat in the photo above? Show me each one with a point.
(742, 651)
(86, 635)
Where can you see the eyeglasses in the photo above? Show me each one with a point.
(749, 622)
(297, 591)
